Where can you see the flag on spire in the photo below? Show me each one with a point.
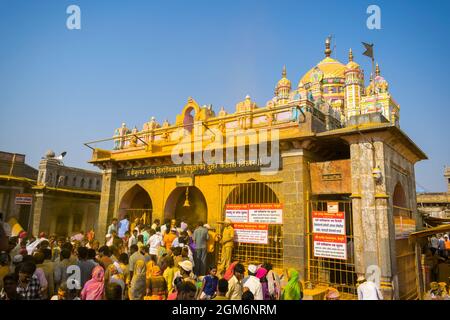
(369, 50)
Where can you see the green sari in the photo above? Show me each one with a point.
(292, 291)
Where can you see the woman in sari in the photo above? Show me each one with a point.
(293, 289)
(261, 275)
(94, 288)
(169, 273)
(137, 287)
(156, 285)
(114, 274)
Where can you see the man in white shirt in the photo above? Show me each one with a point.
(235, 283)
(253, 284)
(154, 242)
(367, 290)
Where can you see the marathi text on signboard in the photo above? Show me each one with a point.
(330, 246)
(271, 213)
(24, 199)
(150, 172)
(251, 233)
(265, 213)
(236, 212)
(328, 223)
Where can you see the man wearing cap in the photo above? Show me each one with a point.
(227, 242)
(253, 283)
(367, 290)
(332, 294)
(185, 271)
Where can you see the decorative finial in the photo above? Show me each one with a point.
(284, 72)
(327, 47)
(377, 70)
(350, 55)
(247, 97)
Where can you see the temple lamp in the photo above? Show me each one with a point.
(186, 202)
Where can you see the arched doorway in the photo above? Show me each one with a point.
(404, 250)
(196, 211)
(136, 203)
(254, 192)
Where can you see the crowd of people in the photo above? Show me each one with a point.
(169, 261)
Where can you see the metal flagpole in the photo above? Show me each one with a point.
(369, 53)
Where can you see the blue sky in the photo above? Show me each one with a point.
(135, 59)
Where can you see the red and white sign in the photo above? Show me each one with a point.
(270, 213)
(265, 213)
(329, 223)
(24, 198)
(330, 246)
(251, 233)
(236, 212)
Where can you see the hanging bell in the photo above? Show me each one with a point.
(186, 202)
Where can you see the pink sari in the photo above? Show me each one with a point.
(93, 289)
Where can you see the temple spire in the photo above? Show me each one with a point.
(350, 55)
(283, 74)
(377, 70)
(327, 47)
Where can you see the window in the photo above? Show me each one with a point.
(90, 184)
(74, 182)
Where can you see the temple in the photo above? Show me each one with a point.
(335, 151)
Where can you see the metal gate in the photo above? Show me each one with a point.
(144, 214)
(248, 193)
(327, 271)
(405, 255)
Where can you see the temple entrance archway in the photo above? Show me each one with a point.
(175, 205)
(255, 192)
(136, 203)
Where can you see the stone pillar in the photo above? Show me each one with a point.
(38, 209)
(107, 199)
(294, 176)
(371, 225)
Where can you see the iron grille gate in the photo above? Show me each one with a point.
(327, 271)
(247, 193)
(144, 214)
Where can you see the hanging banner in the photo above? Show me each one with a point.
(236, 212)
(270, 213)
(251, 233)
(330, 246)
(329, 223)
